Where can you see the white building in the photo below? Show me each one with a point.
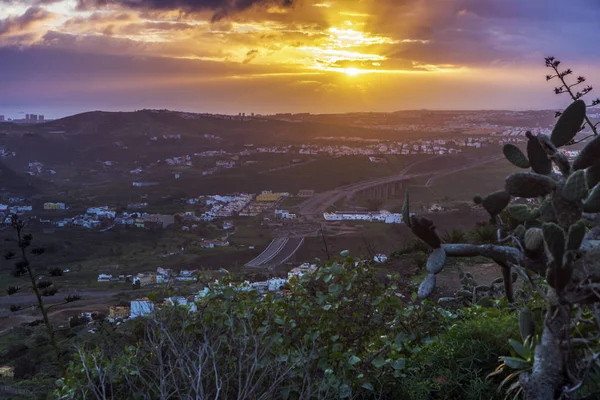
(141, 307)
(379, 216)
(104, 278)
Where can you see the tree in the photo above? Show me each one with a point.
(551, 248)
(40, 288)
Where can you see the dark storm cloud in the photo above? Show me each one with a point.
(220, 8)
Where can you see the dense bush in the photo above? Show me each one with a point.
(344, 332)
(455, 364)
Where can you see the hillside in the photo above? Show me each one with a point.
(16, 184)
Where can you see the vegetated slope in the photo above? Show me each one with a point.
(16, 184)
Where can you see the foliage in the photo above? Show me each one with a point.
(343, 332)
(454, 365)
(550, 245)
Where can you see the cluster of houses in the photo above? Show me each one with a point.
(370, 216)
(144, 306)
(243, 204)
(161, 276)
(105, 217)
(222, 206)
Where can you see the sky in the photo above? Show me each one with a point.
(60, 57)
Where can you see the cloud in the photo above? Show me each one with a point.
(220, 8)
(21, 24)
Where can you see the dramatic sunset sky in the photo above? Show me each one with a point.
(59, 57)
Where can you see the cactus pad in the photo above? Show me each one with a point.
(496, 202)
(567, 212)
(569, 123)
(534, 239)
(538, 158)
(592, 174)
(529, 184)
(526, 326)
(592, 203)
(424, 229)
(522, 213)
(426, 287)
(589, 155)
(575, 235)
(519, 231)
(554, 237)
(436, 261)
(406, 211)
(515, 156)
(547, 211)
(576, 186)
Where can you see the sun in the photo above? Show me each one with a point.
(352, 71)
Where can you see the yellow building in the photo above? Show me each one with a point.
(119, 312)
(147, 278)
(268, 197)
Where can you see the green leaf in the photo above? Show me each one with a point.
(399, 341)
(519, 348)
(335, 289)
(327, 307)
(515, 363)
(399, 364)
(345, 391)
(378, 362)
(228, 293)
(368, 386)
(353, 360)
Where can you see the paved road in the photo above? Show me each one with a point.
(317, 204)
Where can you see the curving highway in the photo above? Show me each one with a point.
(277, 252)
(319, 203)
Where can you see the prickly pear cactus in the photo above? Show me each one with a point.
(550, 229)
(515, 156)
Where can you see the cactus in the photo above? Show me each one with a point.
(575, 236)
(515, 156)
(538, 158)
(496, 202)
(592, 203)
(436, 261)
(567, 212)
(526, 327)
(406, 211)
(547, 211)
(569, 123)
(427, 286)
(549, 241)
(519, 231)
(529, 185)
(576, 186)
(554, 237)
(592, 174)
(588, 156)
(424, 229)
(534, 239)
(523, 213)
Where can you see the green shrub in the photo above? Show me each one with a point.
(455, 365)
